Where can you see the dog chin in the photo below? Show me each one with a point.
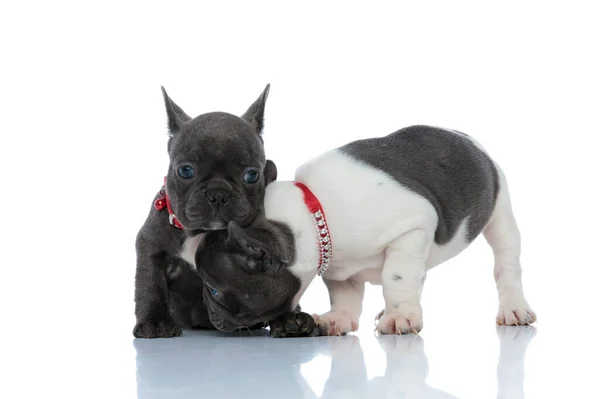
(212, 226)
(217, 224)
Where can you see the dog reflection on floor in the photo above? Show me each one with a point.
(511, 363)
(211, 364)
(407, 367)
(405, 372)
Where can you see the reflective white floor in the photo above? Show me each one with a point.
(77, 343)
(476, 361)
(215, 365)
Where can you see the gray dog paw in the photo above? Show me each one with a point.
(157, 329)
(294, 325)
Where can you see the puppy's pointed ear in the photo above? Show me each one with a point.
(255, 114)
(176, 116)
(270, 172)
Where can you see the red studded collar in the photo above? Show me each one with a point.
(323, 237)
(163, 202)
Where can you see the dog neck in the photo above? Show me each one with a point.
(163, 202)
(285, 203)
(320, 223)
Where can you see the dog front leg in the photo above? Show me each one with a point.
(346, 299)
(402, 278)
(151, 298)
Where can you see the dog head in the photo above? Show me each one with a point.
(245, 274)
(218, 170)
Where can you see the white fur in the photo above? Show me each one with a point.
(503, 235)
(383, 233)
(188, 249)
(294, 212)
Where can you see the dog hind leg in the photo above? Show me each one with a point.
(502, 234)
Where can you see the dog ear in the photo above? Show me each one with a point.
(176, 116)
(256, 252)
(255, 114)
(270, 172)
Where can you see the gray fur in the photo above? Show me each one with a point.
(458, 178)
(220, 147)
(255, 114)
(253, 284)
(176, 117)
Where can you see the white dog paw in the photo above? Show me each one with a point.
(401, 321)
(337, 322)
(515, 314)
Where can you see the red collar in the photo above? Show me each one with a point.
(323, 237)
(162, 202)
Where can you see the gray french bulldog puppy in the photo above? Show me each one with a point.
(217, 174)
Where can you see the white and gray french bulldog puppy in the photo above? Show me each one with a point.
(382, 210)
(217, 174)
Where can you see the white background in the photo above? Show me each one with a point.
(84, 151)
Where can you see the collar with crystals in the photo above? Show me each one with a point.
(323, 237)
(163, 201)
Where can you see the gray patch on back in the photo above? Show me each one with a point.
(446, 168)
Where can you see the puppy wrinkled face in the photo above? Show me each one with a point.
(218, 170)
(245, 276)
(217, 173)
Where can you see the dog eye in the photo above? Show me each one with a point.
(186, 171)
(213, 291)
(251, 176)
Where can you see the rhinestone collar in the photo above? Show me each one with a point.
(323, 237)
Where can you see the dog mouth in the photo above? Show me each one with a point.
(218, 224)
(221, 317)
(199, 223)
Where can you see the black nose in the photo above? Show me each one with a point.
(218, 197)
